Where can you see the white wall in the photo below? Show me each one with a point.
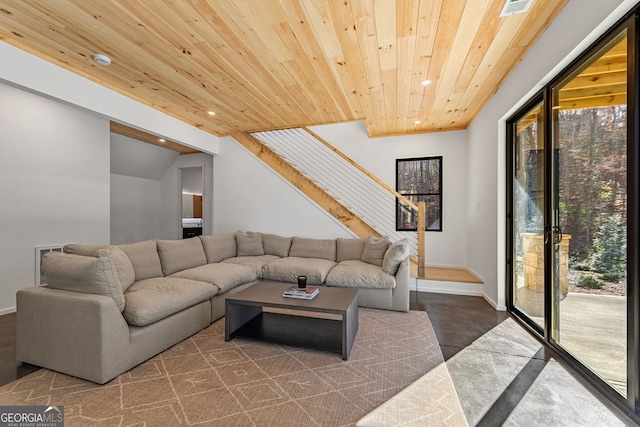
(135, 209)
(250, 196)
(171, 196)
(131, 157)
(569, 34)
(378, 156)
(55, 182)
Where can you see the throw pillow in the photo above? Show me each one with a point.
(397, 252)
(374, 250)
(219, 247)
(77, 273)
(276, 245)
(249, 244)
(123, 265)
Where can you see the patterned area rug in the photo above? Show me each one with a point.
(207, 381)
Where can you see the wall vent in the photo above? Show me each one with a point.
(40, 251)
(512, 7)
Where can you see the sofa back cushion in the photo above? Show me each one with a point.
(348, 249)
(374, 250)
(144, 258)
(84, 250)
(85, 274)
(313, 248)
(397, 252)
(121, 262)
(249, 244)
(219, 246)
(276, 245)
(178, 255)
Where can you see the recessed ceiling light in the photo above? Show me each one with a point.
(162, 140)
(417, 122)
(426, 82)
(211, 113)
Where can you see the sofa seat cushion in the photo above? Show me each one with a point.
(359, 274)
(224, 276)
(288, 270)
(150, 300)
(255, 262)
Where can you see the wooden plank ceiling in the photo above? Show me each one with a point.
(272, 64)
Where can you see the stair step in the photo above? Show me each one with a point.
(448, 274)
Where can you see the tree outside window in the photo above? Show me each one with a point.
(419, 180)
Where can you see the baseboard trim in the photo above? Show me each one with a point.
(494, 304)
(7, 311)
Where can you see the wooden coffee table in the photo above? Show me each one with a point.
(244, 317)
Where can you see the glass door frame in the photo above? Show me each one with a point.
(630, 404)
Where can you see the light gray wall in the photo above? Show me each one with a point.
(250, 196)
(55, 182)
(131, 157)
(136, 172)
(569, 34)
(135, 209)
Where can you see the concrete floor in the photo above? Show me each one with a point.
(504, 376)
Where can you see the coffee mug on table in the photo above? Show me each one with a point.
(302, 282)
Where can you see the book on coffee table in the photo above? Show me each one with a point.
(303, 293)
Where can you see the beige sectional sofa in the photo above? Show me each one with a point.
(107, 309)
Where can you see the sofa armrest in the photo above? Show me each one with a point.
(75, 333)
(400, 300)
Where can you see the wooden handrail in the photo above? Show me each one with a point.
(363, 170)
(421, 230)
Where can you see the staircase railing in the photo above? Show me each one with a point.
(360, 191)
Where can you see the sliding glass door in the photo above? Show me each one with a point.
(589, 213)
(528, 275)
(572, 214)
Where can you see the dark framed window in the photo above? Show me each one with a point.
(419, 180)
